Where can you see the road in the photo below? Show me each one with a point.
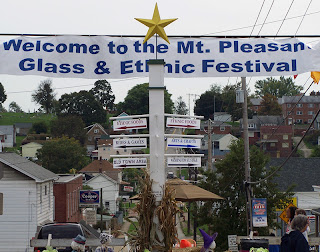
(305, 150)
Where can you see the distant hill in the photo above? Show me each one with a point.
(10, 118)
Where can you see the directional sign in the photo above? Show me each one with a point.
(130, 143)
(184, 162)
(140, 123)
(184, 123)
(184, 143)
(283, 215)
(129, 163)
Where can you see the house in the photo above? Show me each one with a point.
(222, 117)
(255, 104)
(66, 191)
(303, 112)
(276, 140)
(8, 135)
(22, 129)
(94, 133)
(256, 122)
(110, 191)
(105, 149)
(217, 127)
(102, 166)
(220, 144)
(30, 150)
(26, 201)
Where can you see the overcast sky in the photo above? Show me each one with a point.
(98, 17)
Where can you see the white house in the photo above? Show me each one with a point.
(8, 135)
(110, 191)
(26, 201)
(220, 143)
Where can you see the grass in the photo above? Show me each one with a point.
(132, 229)
(10, 118)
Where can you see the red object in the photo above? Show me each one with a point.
(185, 244)
(295, 76)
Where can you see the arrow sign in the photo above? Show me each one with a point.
(183, 123)
(184, 161)
(130, 143)
(183, 143)
(129, 163)
(140, 123)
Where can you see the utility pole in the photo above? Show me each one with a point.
(209, 145)
(246, 155)
(195, 95)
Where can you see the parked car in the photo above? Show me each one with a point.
(60, 231)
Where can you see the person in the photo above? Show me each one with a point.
(291, 211)
(303, 212)
(295, 241)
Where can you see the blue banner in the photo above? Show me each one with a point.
(259, 213)
(89, 197)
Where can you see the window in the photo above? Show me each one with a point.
(265, 136)
(45, 190)
(107, 205)
(288, 105)
(272, 145)
(289, 112)
(309, 120)
(310, 112)
(251, 134)
(1, 203)
(285, 137)
(298, 121)
(285, 145)
(49, 195)
(40, 194)
(96, 131)
(299, 112)
(256, 107)
(89, 138)
(299, 105)
(222, 128)
(310, 105)
(251, 125)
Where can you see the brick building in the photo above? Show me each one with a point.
(255, 104)
(303, 112)
(217, 127)
(276, 141)
(66, 193)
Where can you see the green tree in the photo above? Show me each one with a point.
(270, 106)
(60, 155)
(3, 96)
(71, 126)
(180, 107)
(45, 96)
(137, 101)
(103, 93)
(229, 215)
(82, 104)
(39, 127)
(14, 107)
(278, 88)
(229, 101)
(209, 101)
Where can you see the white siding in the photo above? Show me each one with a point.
(226, 141)
(18, 222)
(45, 203)
(110, 191)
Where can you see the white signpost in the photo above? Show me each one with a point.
(184, 161)
(139, 123)
(130, 143)
(129, 163)
(183, 143)
(91, 216)
(184, 123)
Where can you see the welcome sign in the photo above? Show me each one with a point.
(100, 57)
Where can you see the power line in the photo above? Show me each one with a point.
(285, 17)
(264, 21)
(257, 17)
(303, 17)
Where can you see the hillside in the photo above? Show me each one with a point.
(10, 118)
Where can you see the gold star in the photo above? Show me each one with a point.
(156, 25)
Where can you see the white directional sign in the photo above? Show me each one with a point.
(184, 123)
(184, 143)
(184, 161)
(129, 163)
(130, 143)
(140, 123)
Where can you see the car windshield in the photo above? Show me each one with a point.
(60, 231)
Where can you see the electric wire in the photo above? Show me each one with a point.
(265, 20)
(285, 17)
(257, 18)
(303, 17)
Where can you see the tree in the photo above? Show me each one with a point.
(270, 106)
(3, 96)
(209, 102)
(82, 104)
(14, 107)
(278, 88)
(229, 101)
(180, 107)
(62, 154)
(137, 101)
(103, 93)
(228, 181)
(39, 127)
(44, 95)
(71, 126)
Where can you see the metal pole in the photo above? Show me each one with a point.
(195, 223)
(246, 155)
(209, 146)
(101, 209)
